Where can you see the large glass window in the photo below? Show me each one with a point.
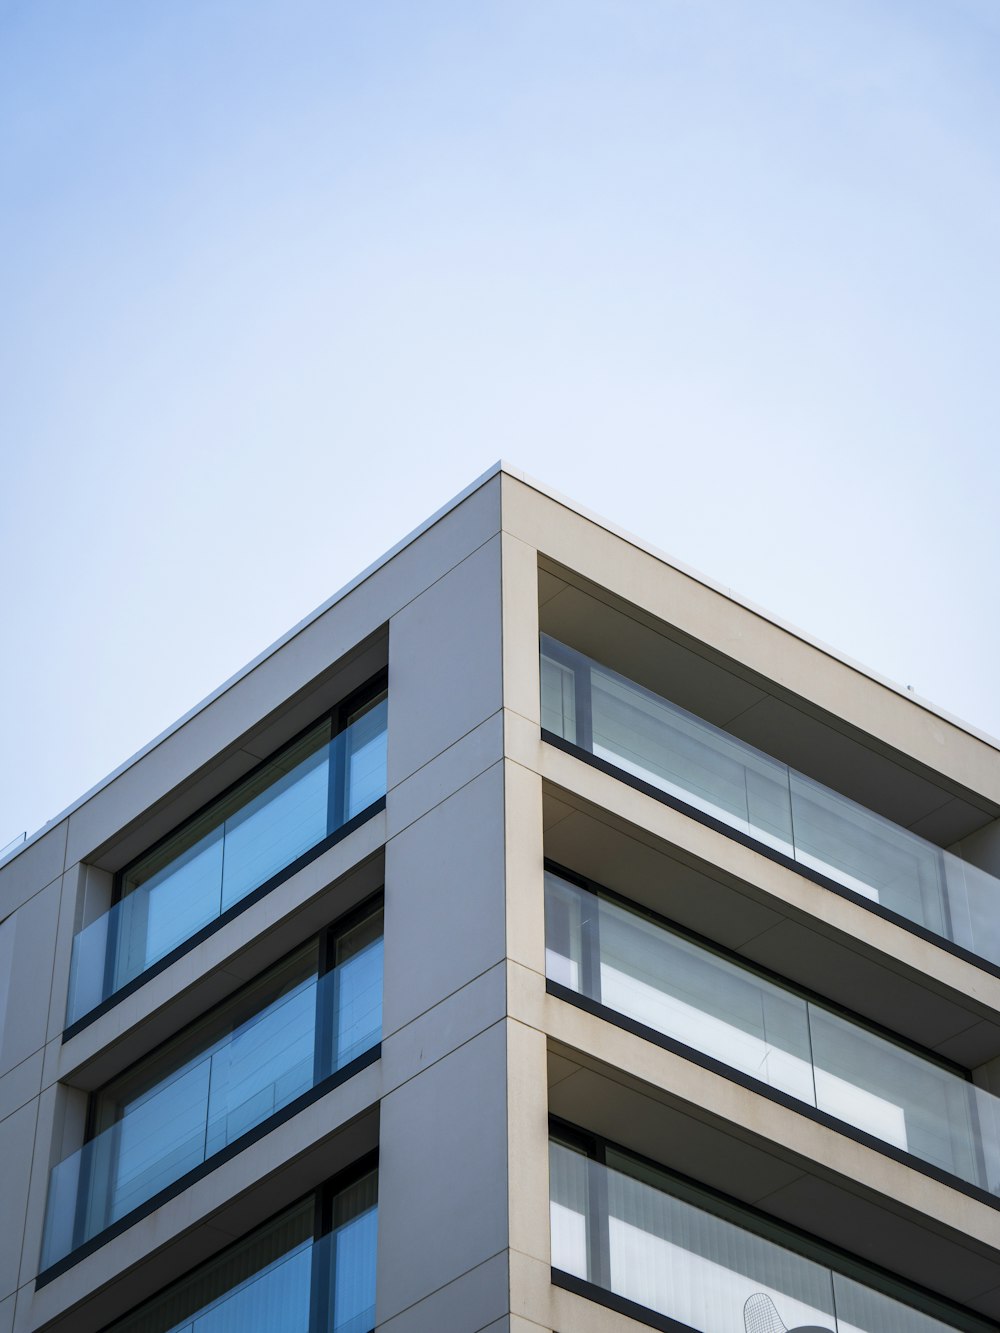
(624, 1226)
(637, 966)
(311, 1268)
(290, 807)
(650, 739)
(314, 1017)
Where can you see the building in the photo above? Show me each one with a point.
(536, 937)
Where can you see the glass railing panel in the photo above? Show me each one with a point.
(365, 749)
(648, 737)
(625, 960)
(279, 814)
(168, 1121)
(876, 858)
(674, 986)
(662, 744)
(357, 998)
(635, 1231)
(896, 1095)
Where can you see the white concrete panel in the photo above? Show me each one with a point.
(30, 976)
(17, 1139)
(520, 629)
(444, 662)
(467, 1305)
(471, 755)
(38, 865)
(441, 1030)
(443, 1176)
(444, 893)
(20, 1084)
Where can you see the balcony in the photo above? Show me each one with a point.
(307, 1024)
(634, 969)
(283, 1278)
(654, 1246)
(288, 810)
(729, 784)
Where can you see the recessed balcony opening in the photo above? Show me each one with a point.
(749, 1170)
(706, 735)
(755, 925)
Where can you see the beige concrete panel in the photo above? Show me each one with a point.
(237, 1195)
(469, 756)
(443, 1174)
(525, 867)
(444, 662)
(523, 742)
(528, 1140)
(641, 870)
(20, 1084)
(444, 1028)
(286, 670)
(30, 977)
(469, 1304)
(520, 629)
(982, 848)
(790, 1134)
(36, 867)
(726, 626)
(826, 910)
(444, 889)
(906, 1249)
(17, 1138)
(538, 1303)
(290, 914)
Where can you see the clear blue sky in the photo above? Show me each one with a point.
(276, 280)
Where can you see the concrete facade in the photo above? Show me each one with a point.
(476, 1053)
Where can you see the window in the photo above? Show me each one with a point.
(671, 1253)
(312, 1267)
(287, 810)
(313, 1019)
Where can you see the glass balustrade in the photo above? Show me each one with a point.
(282, 1278)
(232, 1072)
(636, 1231)
(648, 737)
(283, 811)
(628, 962)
